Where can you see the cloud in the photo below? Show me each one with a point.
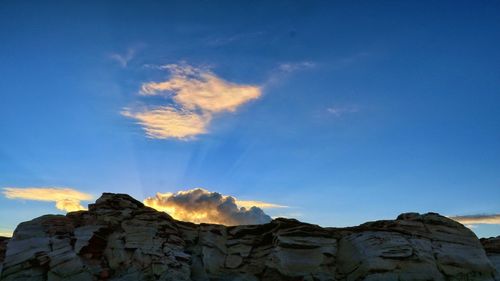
(202, 206)
(196, 95)
(66, 199)
(478, 219)
(6, 233)
(284, 70)
(194, 88)
(259, 204)
(339, 110)
(292, 67)
(168, 122)
(123, 59)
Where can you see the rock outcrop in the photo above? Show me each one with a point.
(3, 248)
(492, 248)
(119, 238)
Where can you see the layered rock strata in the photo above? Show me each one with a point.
(119, 238)
(492, 248)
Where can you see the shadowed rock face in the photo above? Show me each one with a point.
(121, 239)
(3, 248)
(492, 248)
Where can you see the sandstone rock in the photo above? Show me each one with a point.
(119, 238)
(83, 235)
(492, 248)
(42, 249)
(3, 248)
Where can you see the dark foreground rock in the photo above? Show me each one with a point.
(3, 248)
(119, 238)
(492, 248)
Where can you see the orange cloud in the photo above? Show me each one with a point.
(259, 204)
(201, 89)
(477, 219)
(202, 206)
(169, 122)
(66, 199)
(197, 94)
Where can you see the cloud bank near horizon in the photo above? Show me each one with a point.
(478, 219)
(202, 206)
(66, 199)
(6, 233)
(196, 95)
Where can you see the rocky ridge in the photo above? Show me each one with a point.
(119, 238)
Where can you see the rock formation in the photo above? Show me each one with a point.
(3, 248)
(119, 238)
(492, 248)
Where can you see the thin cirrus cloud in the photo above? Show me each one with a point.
(202, 206)
(66, 199)
(478, 219)
(339, 111)
(284, 70)
(196, 96)
(295, 66)
(123, 59)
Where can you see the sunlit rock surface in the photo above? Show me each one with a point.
(121, 239)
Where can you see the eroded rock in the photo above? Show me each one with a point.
(121, 239)
(492, 248)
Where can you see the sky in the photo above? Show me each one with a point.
(331, 112)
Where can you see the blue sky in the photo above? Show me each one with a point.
(365, 110)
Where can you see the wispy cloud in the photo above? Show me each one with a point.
(66, 199)
(168, 122)
(197, 95)
(478, 219)
(259, 204)
(295, 66)
(202, 206)
(286, 69)
(123, 59)
(342, 110)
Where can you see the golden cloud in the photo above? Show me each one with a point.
(169, 122)
(198, 89)
(197, 94)
(478, 219)
(259, 204)
(202, 206)
(66, 199)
